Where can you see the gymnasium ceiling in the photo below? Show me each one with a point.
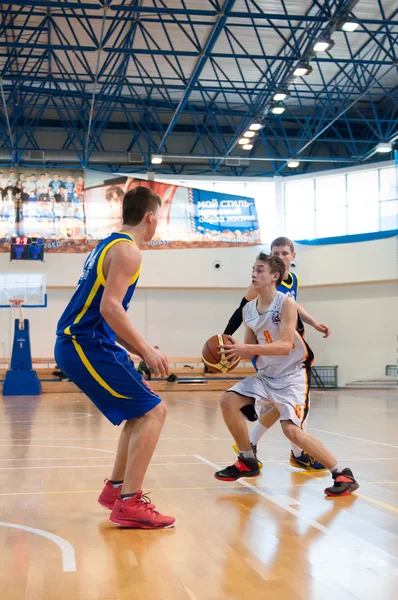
(110, 84)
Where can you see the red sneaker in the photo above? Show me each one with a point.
(108, 495)
(138, 513)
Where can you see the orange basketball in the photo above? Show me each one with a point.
(214, 358)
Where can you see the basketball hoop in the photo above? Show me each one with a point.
(17, 303)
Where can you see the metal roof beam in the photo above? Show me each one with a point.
(210, 43)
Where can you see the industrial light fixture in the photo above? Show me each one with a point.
(323, 44)
(282, 95)
(302, 69)
(247, 146)
(277, 109)
(349, 26)
(256, 126)
(243, 141)
(156, 159)
(384, 147)
(249, 134)
(293, 163)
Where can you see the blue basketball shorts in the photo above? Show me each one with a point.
(103, 371)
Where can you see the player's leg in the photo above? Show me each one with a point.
(108, 378)
(300, 459)
(231, 403)
(144, 436)
(344, 481)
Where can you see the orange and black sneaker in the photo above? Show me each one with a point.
(109, 495)
(244, 467)
(137, 512)
(344, 484)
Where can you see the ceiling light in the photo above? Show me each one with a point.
(249, 134)
(255, 126)
(247, 146)
(278, 96)
(302, 69)
(278, 110)
(350, 26)
(323, 44)
(293, 163)
(384, 147)
(156, 159)
(243, 141)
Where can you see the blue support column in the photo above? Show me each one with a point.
(21, 379)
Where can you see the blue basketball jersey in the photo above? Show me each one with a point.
(290, 286)
(82, 317)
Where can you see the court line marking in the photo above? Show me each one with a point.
(193, 428)
(268, 440)
(55, 446)
(76, 416)
(353, 437)
(222, 487)
(68, 553)
(223, 462)
(274, 500)
(379, 502)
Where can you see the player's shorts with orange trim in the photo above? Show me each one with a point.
(104, 372)
(289, 394)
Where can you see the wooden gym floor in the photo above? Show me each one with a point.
(275, 537)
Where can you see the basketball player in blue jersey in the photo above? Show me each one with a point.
(283, 248)
(87, 352)
(284, 362)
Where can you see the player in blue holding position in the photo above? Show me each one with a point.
(283, 248)
(86, 351)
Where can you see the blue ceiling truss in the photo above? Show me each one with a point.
(109, 84)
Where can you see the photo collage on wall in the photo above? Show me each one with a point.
(72, 210)
(41, 202)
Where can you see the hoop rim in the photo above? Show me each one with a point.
(15, 302)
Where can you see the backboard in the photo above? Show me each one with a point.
(28, 287)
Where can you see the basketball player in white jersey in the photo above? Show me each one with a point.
(284, 362)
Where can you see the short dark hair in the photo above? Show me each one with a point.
(137, 202)
(276, 265)
(282, 241)
(114, 192)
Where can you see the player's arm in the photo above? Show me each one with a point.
(123, 263)
(281, 347)
(308, 320)
(237, 318)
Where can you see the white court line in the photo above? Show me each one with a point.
(68, 553)
(76, 416)
(93, 466)
(51, 446)
(353, 438)
(274, 499)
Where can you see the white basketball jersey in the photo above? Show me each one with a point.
(267, 330)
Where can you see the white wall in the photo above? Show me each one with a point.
(362, 315)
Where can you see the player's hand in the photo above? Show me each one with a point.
(157, 362)
(235, 350)
(323, 329)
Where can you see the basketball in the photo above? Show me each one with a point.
(214, 358)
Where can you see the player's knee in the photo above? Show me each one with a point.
(160, 411)
(228, 402)
(291, 431)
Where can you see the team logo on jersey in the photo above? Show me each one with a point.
(291, 294)
(276, 318)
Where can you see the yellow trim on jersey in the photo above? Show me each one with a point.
(101, 280)
(286, 284)
(101, 258)
(86, 306)
(93, 372)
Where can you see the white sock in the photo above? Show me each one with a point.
(336, 468)
(247, 454)
(116, 484)
(296, 450)
(256, 432)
